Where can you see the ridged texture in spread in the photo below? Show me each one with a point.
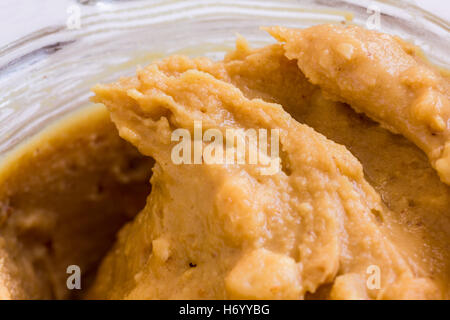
(226, 231)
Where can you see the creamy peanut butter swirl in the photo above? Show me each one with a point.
(381, 76)
(226, 231)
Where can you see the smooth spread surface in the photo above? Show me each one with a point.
(313, 229)
(63, 196)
